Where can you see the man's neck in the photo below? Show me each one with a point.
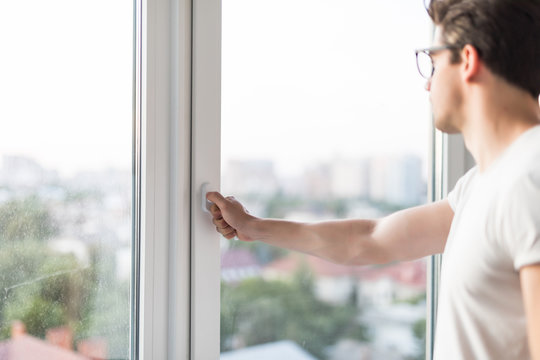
(494, 121)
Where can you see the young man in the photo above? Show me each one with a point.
(483, 81)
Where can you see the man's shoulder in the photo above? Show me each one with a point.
(519, 172)
(517, 193)
(523, 172)
(462, 188)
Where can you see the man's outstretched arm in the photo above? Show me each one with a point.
(405, 235)
(530, 284)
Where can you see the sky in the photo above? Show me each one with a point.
(309, 80)
(302, 81)
(66, 82)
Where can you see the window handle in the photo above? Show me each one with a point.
(205, 203)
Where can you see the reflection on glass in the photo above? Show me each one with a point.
(321, 119)
(65, 179)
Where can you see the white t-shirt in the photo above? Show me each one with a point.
(495, 232)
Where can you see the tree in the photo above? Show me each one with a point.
(419, 331)
(27, 219)
(41, 288)
(258, 311)
(19, 262)
(27, 266)
(107, 315)
(45, 289)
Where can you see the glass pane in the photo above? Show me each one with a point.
(324, 116)
(65, 179)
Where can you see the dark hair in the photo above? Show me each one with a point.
(506, 34)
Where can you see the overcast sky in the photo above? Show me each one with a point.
(306, 80)
(303, 80)
(65, 88)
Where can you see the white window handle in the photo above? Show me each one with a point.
(205, 203)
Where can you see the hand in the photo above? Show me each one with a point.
(230, 217)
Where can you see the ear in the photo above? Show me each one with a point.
(470, 62)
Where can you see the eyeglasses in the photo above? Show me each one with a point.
(424, 62)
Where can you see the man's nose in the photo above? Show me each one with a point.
(428, 85)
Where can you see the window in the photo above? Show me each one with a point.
(323, 116)
(66, 194)
(104, 247)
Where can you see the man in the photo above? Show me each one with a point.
(483, 81)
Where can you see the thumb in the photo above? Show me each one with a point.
(216, 198)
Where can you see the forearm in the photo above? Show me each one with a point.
(405, 235)
(339, 241)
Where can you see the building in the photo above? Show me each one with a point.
(19, 172)
(396, 180)
(285, 349)
(333, 283)
(381, 286)
(349, 178)
(375, 285)
(250, 177)
(238, 265)
(57, 346)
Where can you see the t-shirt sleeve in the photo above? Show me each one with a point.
(462, 185)
(521, 221)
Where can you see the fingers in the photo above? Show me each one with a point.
(222, 226)
(214, 210)
(216, 198)
(224, 229)
(221, 203)
(220, 222)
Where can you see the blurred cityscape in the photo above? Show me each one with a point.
(384, 305)
(379, 184)
(65, 262)
(65, 265)
(89, 208)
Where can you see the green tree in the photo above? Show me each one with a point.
(43, 289)
(279, 204)
(27, 219)
(258, 311)
(46, 289)
(27, 267)
(37, 314)
(107, 315)
(419, 331)
(19, 262)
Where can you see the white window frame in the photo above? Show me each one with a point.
(161, 321)
(178, 116)
(449, 160)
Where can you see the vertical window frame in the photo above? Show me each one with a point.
(206, 167)
(449, 161)
(161, 322)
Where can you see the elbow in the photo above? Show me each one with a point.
(365, 249)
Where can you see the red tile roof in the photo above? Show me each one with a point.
(408, 273)
(319, 266)
(238, 258)
(26, 347)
